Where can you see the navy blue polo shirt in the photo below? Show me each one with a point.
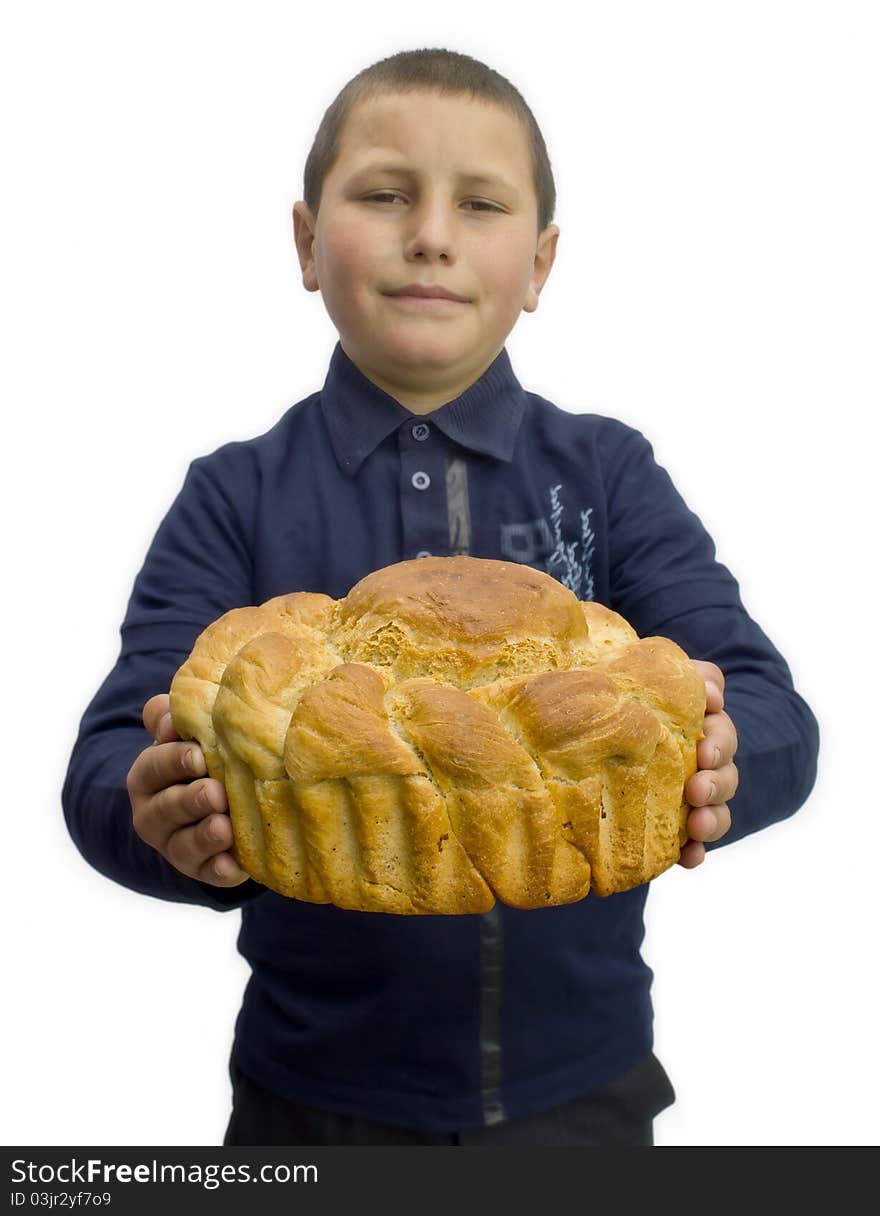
(439, 1022)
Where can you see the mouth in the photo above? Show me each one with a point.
(427, 303)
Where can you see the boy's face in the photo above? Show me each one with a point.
(398, 208)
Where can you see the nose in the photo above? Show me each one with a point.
(431, 230)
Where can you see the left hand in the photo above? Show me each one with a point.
(716, 778)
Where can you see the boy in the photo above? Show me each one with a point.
(429, 175)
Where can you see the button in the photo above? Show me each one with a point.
(421, 431)
(424, 553)
(421, 480)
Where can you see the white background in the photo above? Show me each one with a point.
(716, 286)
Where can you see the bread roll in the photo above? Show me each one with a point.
(454, 731)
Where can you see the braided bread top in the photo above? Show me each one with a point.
(453, 730)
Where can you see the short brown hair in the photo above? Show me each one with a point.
(436, 69)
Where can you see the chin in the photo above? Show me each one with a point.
(431, 348)
(420, 355)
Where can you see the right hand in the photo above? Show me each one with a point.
(186, 820)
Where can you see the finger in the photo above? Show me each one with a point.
(156, 819)
(154, 711)
(708, 823)
(165, 730)
(184, 805)
(714, 698)
(194, 851)
(711, 671)
(192, 847)
(222, 871)
(711, 674)
(720, 744)
(163, 765)
(711, 787)
(693, 854)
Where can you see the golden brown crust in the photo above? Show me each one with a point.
(453, 731)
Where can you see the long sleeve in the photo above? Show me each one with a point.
(665, 580)
(198, 566)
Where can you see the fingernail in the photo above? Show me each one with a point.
(164, 723)
(225, 867)
(195, 762)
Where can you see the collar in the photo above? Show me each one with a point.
(359, 415)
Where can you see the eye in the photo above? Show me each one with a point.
(388, 194)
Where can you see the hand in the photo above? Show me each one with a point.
(716, 778)
(186, 820)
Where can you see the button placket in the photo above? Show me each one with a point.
(422, 492)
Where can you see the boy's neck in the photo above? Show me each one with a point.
(420, 400)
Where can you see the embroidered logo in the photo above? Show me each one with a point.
(576, 575)
(542, 541)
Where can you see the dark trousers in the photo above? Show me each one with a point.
(619, 1114)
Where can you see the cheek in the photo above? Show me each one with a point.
(345, 256)
(507, 270)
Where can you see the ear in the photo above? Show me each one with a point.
(545, 254)
(304, 224)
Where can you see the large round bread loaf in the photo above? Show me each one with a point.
(453, 731)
